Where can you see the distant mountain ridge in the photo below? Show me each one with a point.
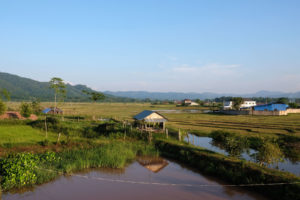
(24, 89)
(205, 95)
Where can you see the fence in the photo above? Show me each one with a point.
(258, 112)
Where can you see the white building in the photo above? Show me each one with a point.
(227, 105)
(246, 104)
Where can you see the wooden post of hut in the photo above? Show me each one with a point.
(58, 138)
(46, 127)
(167, 133)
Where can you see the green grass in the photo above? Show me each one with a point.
(16, 135)
(47, 166)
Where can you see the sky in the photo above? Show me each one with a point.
(222, 46)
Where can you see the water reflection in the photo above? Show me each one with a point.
(284, 163)
(154, 164)
(94, 187)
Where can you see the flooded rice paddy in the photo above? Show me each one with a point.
(207, 143)
(142, 179)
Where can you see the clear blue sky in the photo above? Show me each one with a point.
(238, 46)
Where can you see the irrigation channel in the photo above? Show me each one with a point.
(146, 178)
(207, 143)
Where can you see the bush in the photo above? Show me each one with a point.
(18, 170)
(89, 132)
(36, 107)
(26, 110)
(2, 108)
(220, 135)
(293, 105)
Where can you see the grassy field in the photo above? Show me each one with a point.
(122, 111)
(270, 126)
(80, 153)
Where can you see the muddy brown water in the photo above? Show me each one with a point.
(100, 184)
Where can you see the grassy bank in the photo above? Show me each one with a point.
(27, 169)
(232, 170)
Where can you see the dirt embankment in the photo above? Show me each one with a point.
(17, 115)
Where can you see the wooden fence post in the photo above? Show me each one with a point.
(46, 129)
(58, 138)
(179, 135)
(167, 133)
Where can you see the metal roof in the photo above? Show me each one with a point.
(146, 113)
(46, 110)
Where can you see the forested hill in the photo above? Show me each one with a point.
(23, 89)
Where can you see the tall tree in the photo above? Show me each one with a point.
(283, 100)
(4, 93)
(237, 102)
(2, 107)
(59, 88)
(94, 96)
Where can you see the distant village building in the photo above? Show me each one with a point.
(52, 111)
(248, 104)
(150, 119)
(188, 102)
(194, 104)
(228, 105)
(271, 107)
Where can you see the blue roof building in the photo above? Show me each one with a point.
(52, 111)
(271, 107)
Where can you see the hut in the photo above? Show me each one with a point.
(52, 111)
(150, 119)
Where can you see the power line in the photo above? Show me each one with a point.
(176, 184)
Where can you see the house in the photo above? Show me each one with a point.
(248, 104)
(149, 118)
(52, 111)
(228, 105)
(186, 102)
(271, 107)
(194, 104)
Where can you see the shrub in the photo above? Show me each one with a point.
(25, 110)
(18, 170)
(89, 132)
(36, 107)
(2, 107)
(220, 135)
